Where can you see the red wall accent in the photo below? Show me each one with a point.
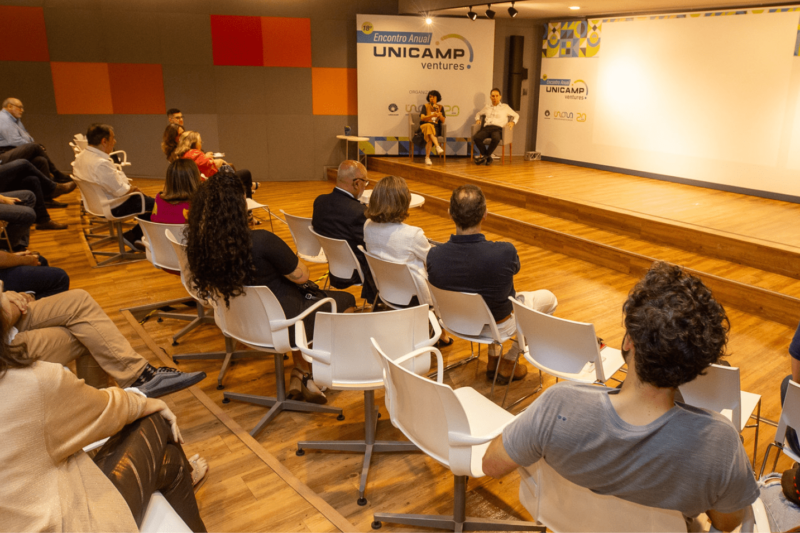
(237, 40)
(287, 42)
(137, 89)
(23, 36)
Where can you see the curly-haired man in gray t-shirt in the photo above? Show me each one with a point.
(637, 443)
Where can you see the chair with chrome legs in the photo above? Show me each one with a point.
(230, 354)
(454, 427)
(342, 261)
(790, 418)
(308, 247)
(343, 360)
(256, 319)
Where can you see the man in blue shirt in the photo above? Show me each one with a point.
(16, 143)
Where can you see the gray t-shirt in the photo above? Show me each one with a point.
(689, 460)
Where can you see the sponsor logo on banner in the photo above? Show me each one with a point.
(392, 108)
(547, 113)
(449, 111)
(438, 55)
(563, 115)
(572, 90)
(581, 117)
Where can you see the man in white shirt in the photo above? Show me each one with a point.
(95, 165)
(496, 116)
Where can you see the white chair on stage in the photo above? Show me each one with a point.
(564, 348)
(230, 354)
(98, 203)
(256, 319)
(464, 315)
(308, 247)
(790, 418)
(506, 138)
(720, 390)
(343, 360)
(454, 427)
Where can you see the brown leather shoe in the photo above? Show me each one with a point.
(51, 224)
(505, 370)
(63, 188)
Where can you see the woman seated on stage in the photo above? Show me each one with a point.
(225, 256)
(190, 146)
(170, 140)
(431, 120)
(387, 237)
(50, 484)
(172, 204)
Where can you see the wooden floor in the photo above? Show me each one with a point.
(261, 485)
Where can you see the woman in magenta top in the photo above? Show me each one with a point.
(172, 204)
(190, 146)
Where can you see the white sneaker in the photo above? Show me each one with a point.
(428, 161)
(439, 150)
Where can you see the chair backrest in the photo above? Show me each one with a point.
(304, 239)
(413, 121)
(462, 312)
(396, 285)
(95, 199)
(563, 506)
(80, 141)
(159, 248)
(344, 339)
(718, 390)
(426, 411)
(254, 318)
(183, 262)
(790, 415)
(556, 345)
(341, 259)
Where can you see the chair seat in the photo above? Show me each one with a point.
(356, 385)
(612, 362)
(313, 258)
(749, 403)
(484, 417)
(161, 517)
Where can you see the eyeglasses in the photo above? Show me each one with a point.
(18, 106)
(366, 182)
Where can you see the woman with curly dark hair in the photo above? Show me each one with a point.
(226, 256)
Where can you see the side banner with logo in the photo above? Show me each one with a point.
(705, 96)
(400, 59)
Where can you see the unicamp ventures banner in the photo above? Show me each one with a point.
(400, 59)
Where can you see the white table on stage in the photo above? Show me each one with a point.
(416, 199)
(355, 139)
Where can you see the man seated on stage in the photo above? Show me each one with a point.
(16, 143)
(496, 116)
(340, 215)
(637, 443)
(61, 328)
(174, 116)
(470, 263)
(94, 165)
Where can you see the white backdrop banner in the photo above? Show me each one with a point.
(712, 96)
(400, 59)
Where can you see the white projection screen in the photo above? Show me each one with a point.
(710, 97)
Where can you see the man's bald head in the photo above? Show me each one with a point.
(352, 177)
(13, 106)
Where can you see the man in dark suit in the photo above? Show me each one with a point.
(340, 215)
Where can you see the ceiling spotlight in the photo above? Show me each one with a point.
(575, 8)
(472, 15)
(489, 13)
(428, 21)
(511, 11)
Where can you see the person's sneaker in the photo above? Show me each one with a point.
(428, 161)
(488, 160)
(167, 380)
(479, 160)
(439, 150)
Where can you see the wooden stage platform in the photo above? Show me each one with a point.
(744, 247)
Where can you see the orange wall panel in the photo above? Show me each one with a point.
(82, 88)
(287, 41)
(334, 91)
(23, 36)
(136, 89)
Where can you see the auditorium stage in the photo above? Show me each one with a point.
(745, 247)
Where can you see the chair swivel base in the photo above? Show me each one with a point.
(120, 257)
(227, 357)
(279, 403)
(368, 446)
(458, 521)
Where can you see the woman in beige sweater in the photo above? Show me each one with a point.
(47, 483)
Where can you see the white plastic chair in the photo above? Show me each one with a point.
(230, 353)
(256, 319)
(79, 144)
(342, 261)
(308, 247)
(506, 138)
(252, 204)
(563, 506)
(454, 427)
(720, 390)
(343, 360)
(464, 314)
(564, 348)
(98, 203)
(396, 284)
(790, 418)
